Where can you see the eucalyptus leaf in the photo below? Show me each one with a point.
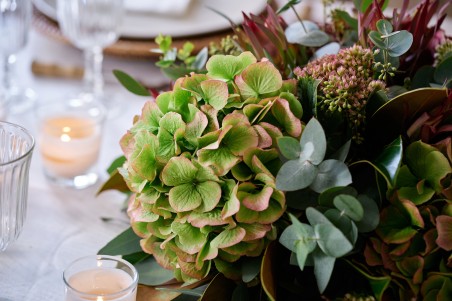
(349, 206)
(313, 142)
(371, 217)
(201, 59)
(251, 268)
(130, 83)
(399, 43)
(312, 37)
(384, 27)
(330, 48)
(295, 174)
(289, 147)
(323, 268)
(332, 241)
(331, 173)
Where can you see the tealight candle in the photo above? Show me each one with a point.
(69, 141)
(100, 278)
(69, 145)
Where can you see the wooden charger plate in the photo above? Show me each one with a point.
(125, 47)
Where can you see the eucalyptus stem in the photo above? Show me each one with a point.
(299, 19)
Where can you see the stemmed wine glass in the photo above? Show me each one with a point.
(15, 18)
(91, 25)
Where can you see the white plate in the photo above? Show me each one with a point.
(198, 19)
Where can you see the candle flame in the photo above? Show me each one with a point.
(66, 129)
(65, 138)
(100, 298)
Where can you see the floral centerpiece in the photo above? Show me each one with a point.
(293, 155)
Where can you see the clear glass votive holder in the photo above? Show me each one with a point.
(100, 278)
(69, 140)
(16, 148)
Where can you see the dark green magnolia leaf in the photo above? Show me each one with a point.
(151, 273)
(130, 83)
(251, 268)
(125, 243)
(240, 293)
(349, 206)
(323, 268)
(389, 161)
(342, 152)
(267, 276)
(395, 116)
(115, 182)
(290, 147)
(220, 288)
(423, 77)
(306, 34)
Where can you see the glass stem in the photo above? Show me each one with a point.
(93, 79)
(8, 64)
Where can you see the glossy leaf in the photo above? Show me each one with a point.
(287, 6)
(267, 275)
(220, 288)
(151, 273)
(115, 182)
(390, 160)
(125, 243)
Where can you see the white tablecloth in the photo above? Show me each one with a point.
(64, 224)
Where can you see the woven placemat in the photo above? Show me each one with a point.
(138, 48)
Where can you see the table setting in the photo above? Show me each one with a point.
(225, 150)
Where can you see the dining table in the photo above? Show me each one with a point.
(63, 224)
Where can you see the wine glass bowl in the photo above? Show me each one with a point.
(15, 18)
(91, 26)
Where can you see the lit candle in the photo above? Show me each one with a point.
(101, 284)
(69, 145)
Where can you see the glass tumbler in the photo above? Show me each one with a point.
(16, 147)
(100, 277)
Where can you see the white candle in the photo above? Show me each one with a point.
(101, 284)
(69, 145)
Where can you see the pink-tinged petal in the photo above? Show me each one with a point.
(371, 256)
(444, 227)
(127, 144)
(265, 140)
(211, 114)
(258, 201)
(234, 118)
(290, 123)
(255, 231)
(273, 131)
(202, 219)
